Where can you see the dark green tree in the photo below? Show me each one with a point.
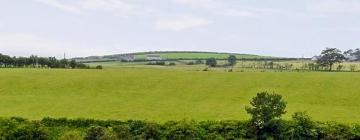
(73, 64)
(43, 61)
(266, 107)
(211, 62)
(231, 60)
(329, 57)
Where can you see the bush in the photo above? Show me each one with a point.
(7, 128)
(183, 130)
(172, 64)
(122, 132)
(96, 133)
(334, 131)
(31, 131)
(199, 62)
(71, 135)
(151, 131)
(99, 67)
(300, 127)
(304, 128)
(161, 63)
(276, 129)
(224, 129)
(190, 63)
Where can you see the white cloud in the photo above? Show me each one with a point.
(240, 13)
(219, 8)
(336, 6)
(182, 23)
(199, 3)
(117, 7)
(26, 44)
(60, 5)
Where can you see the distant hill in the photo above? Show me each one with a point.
(175, 55)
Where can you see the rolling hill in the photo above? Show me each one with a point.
(174, 55)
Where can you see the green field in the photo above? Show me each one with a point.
(172, 94)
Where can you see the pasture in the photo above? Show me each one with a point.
(172, 94)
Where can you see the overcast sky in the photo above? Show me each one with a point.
(290, 28)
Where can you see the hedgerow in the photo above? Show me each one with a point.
(300, 127)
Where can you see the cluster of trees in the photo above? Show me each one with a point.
(331, 56)
(231, 61)
(355, 54)
(41, 62)
(266, 123)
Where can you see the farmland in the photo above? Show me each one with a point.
(172, 94)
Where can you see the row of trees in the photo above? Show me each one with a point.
(324, 61)
(36, 62)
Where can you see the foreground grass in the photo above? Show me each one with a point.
(169, 94)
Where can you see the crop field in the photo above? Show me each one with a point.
(172, 94)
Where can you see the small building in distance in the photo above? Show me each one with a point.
(152, 57)
(126, 57)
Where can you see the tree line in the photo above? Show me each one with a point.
(325, 61)
(34, 61)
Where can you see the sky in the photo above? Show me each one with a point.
(285, 28)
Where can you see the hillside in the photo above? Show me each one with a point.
(196, 55)
(174, 55)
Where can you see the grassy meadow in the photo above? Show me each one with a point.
(172, 94)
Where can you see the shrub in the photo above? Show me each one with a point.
(276, 129)
(30, 131)
(300, 127)
(183, 130)
(96, 133)
(122, 132)
(190, 63)
(304, 128)
(7, 128)
(224, 129)
(151, 131)
(161, 63)
(199, 62)
(172, 64)
(334, 131)
(356, 131)
(99, 67)
(71, 135)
